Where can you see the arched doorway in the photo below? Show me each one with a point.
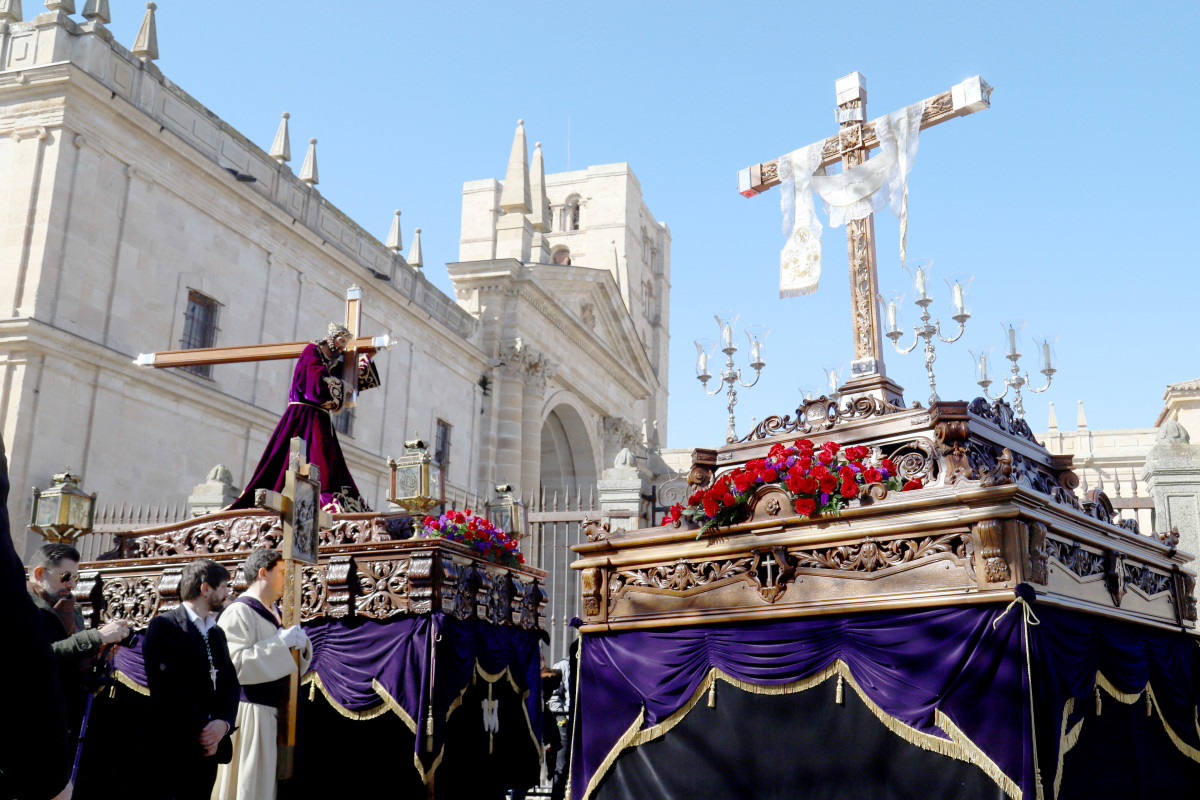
(568, 461)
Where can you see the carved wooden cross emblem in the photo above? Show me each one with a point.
(236, 354)
(299, 508)
(850, 146)
(774, 572)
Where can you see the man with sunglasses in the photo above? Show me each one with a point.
(54, 570)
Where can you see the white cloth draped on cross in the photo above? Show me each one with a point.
(856, 194)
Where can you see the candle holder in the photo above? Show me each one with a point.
(926, 330)
(1016, 381)
(731, 374)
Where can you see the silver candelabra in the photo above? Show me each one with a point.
(732, 374)
(927, 330)
(1016, 381)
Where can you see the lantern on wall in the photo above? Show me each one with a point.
(508, 513)
(64, 512)
(418, 484)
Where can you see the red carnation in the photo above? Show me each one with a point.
(804, 463)
(770, 476)
(742, 482)
(808, 485)
(728, 499)
(794, 483)
(849, 489)
(778, 451)
(915, 483)
(697, 498)
(872, 475)
(820, 471)
(710, 506)
(805, 506)
(675, 513)
(847, 474)
(804, 444)
(888, 465)
(825, 457)
(828, 484)
(830, 447)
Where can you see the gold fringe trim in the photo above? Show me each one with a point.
(370, 713)
(959, 746)
(130, 683)
(389, 702)
(1069, 739)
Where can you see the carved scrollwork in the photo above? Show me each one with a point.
(382, 588)
(773, 570)
(1114, 576)
(229, 535)
(1146, 579)
(340, 582)
(990, 535)
(135, 599)
(464, 602)
(872, 555)
(313, 592)
(1097, 506)
(951, 440)
(680, 576)
(590, 580)
(1185, 597)
(915, 460)
(598, 531)
(1037, 553)
(1082, 563)
(530, 604)
(820, 414)
(1000, 414)
(498, 598)
(357, 531)
(1001, 472)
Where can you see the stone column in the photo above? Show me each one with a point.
(1172, 474)
(538, 371)
(621, 489)
(509, 407)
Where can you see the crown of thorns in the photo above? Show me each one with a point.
(337, 329)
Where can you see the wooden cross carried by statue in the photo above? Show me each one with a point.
(850, 146)
(299, 507)
(284, 350)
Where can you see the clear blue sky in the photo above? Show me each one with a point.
(1072, 200)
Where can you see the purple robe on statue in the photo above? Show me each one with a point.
(316, 393)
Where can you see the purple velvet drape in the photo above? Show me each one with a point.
(350, 656)
(968, 662)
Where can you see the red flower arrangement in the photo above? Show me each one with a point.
(477, 533)
(818, 479)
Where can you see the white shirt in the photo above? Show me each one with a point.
(203, 625)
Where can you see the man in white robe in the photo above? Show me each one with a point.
(261, 650)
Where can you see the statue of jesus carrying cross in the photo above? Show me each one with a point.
(328, 376)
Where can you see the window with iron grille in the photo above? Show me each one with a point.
(200, 328)
(343, 422)
(441, 446)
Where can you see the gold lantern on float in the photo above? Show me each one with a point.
(64, 512)
(508, 513)
(418, 484)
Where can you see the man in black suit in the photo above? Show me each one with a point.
(194, 688)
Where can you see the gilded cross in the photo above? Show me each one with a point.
(299, 508)
(851, 146)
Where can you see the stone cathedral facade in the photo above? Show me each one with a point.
(133, 219)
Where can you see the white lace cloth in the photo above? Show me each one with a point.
(800, 260)
(859, 192)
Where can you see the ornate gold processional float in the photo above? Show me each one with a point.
(417, 623)
(868, 599)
